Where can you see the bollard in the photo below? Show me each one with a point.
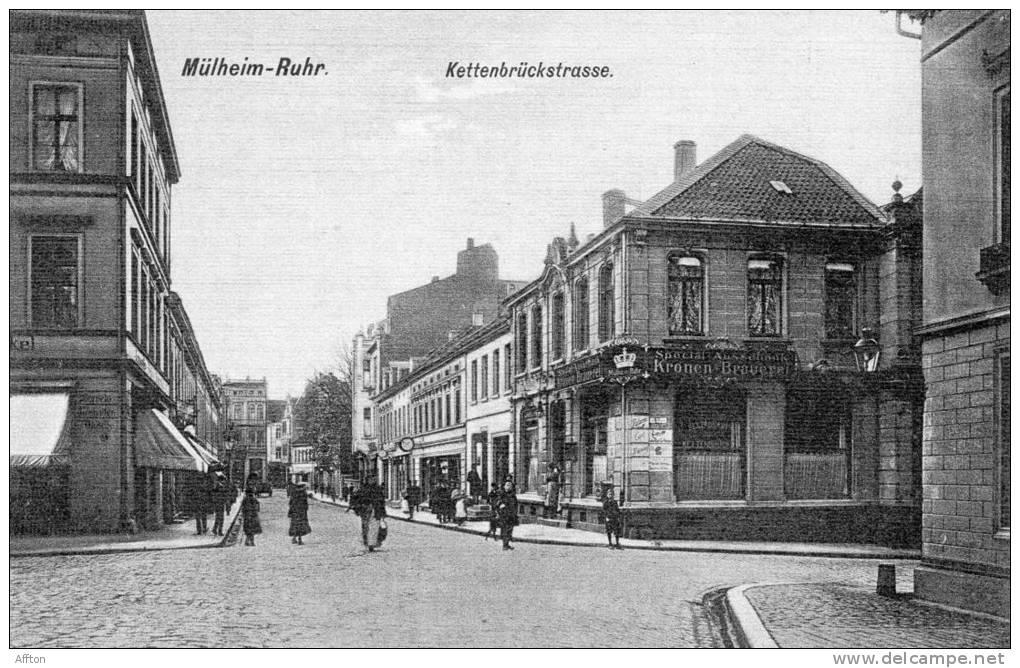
(886, 580)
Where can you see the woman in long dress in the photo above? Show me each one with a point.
(298, 514)
(250, 518)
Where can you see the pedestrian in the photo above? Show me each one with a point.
(201, 492)
(413, 497)
(460, 509)
(614, 517)
(475, 484)
(252, 483)
(298, 514)
(493, 515)
(442, 499)
(220, 499)
(371, 507)
(552, 491)
(332, 493)
(250, 517)
(507, 510)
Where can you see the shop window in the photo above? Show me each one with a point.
(536, 337)
(607, 311)
(581, 314)
(56, 127)
(764, 297)
(840, 300)
(557, 324)
(817, 445)
(686, 286)
(1004, 446)
(709, 457)
(55, 281)
(522, 342)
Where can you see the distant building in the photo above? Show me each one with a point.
(965, 61)
(106, 372)
(279, 431)
(244, 414)
(418, 321)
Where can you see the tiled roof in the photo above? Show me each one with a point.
(736, 185)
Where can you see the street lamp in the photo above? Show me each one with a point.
(867, 351)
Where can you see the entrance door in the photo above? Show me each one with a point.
(500, 458)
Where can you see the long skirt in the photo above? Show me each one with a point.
(370, 530)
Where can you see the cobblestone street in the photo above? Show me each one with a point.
(425, 587)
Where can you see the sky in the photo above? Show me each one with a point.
(304, 202)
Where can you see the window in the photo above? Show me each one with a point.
(1004, 165)
(474, 380)
(448, 415)
(508, 380)
(522, 342)
(557, 322)
(685, 276)
(485, 377)
(133, 148)
(606, 303)
(816, 441)
(134, 294)
(536, 336)
(1004, 446)
(55, 279)
(366, 422)
(56, 131)
(764, 297)
(456, 406)
(840, 300)
(495, 373)
(581, 314)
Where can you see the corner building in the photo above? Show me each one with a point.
(696, 358)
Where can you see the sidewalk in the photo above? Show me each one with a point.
(547, 535)
(170, 537)
(839, 615)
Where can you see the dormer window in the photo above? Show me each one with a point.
(781, 187)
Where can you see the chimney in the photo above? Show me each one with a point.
(686, 158)
(613, 202)
(471, 243)
(435, 279)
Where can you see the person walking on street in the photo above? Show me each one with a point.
(413, 496)
(250, 518)
(201, 492)
(220, 498)
(614, 517)
(507, 509)
(298, 514)
(493, 515)
(371, 507)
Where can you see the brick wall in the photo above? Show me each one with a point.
(960, 449)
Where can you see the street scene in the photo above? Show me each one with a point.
(510, 333)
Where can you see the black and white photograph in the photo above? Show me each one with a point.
(507, 330)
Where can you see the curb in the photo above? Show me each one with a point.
(831, 554)
(121, 548)
(744, 620)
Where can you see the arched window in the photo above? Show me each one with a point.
(581, 314)
(606, 302)
(686, 290)
(536, 336)
(764, 297)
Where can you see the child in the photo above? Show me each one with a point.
(611, 509)
(461, 512)
(250, 517)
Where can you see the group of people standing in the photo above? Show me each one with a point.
(504, 512)
(448, 503)
(211, 493)
(369, 502)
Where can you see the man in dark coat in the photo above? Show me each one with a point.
(507, 511)
(298, 514)
(201, 501)
(474, 484)
(220, 501)
(413, 497)
(614, 519)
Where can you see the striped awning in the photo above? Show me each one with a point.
(161, 445)
(39, 429)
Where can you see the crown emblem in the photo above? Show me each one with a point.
(625, 360)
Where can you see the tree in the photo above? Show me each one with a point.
(323, 420)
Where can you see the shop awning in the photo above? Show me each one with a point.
(160, 445)
(202, 447)
(39, 429)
